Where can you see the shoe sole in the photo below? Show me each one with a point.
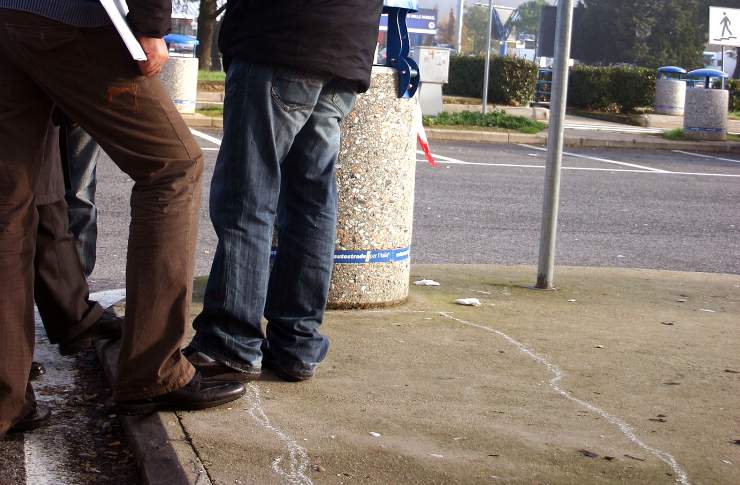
(285, 376)
(41, 418)
(242, 377)
(148, 408)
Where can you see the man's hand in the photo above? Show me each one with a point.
(156, 54)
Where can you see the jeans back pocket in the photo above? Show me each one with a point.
(294, 90)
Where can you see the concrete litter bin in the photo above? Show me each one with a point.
(670, 91)
(376, 172)
(706, 111)
(375, 178)
(180, 75)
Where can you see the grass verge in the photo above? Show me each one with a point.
(674, 135)
(495, 119)
(212, 76)
(215, 112)
(678, 135)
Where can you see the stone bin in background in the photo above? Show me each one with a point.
(705, 116)
(670, 91)
(180, 78)
(375, 179)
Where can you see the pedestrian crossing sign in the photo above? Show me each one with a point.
(724, 26)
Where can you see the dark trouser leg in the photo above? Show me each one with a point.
(24, 115)
(61, 291)
(134, 121)
(265, 109)
(80, 155)
(299, 284)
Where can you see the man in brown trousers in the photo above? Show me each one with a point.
(67, 53)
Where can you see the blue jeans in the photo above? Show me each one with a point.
(276, 168)
(80, 158)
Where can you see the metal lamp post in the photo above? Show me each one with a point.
(487, 70)
(545, 272)
(460, 14)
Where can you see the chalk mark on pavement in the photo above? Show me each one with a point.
(298, 462)
(627, 430)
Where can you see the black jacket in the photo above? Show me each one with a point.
(335, 37)
(152, 18)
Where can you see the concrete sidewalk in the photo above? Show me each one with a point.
(621, 376)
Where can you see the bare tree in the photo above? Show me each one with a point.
(208, 13)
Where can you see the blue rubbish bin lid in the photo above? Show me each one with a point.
(181, 39)
(707, 73)
(672, 70)
(411, 5)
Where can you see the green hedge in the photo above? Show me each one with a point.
(617, 89)
(512, 81)
(734, 94)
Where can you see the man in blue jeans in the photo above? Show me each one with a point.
(293, 70)
(80, 155)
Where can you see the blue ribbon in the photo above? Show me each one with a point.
(371, 256)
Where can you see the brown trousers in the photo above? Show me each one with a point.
(90, 75)
(60, 287)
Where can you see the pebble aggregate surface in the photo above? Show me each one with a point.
(375, 178)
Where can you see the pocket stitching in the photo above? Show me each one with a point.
(286, 107)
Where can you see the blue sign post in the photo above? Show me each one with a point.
(399, 46)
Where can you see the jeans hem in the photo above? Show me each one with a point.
(239, 365)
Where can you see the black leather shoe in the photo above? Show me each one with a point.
(36, 418)
(37, 370)
(291, 371)
(108, 326)
(213, 370)
(197, 394)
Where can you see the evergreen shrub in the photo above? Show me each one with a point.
(512, 81)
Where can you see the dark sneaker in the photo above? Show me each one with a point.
(108, 326)
(213, 370)
(289, 370)
(37, 370)
(197, 394)
(37, 417)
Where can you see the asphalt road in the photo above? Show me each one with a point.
(619, 208)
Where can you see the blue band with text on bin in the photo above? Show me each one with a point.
(706, 130)
(370, 256)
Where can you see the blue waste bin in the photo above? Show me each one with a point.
(670, 91)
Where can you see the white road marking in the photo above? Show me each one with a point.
(586, 169)
(706, 156)
(597, 159)
(206, 137)
(108, 298)
(294, 471)
(627, 430)
(209, 149)
(453, 161)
